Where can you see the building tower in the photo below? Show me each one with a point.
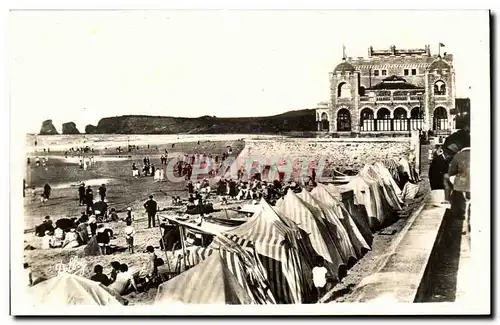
(344, 98)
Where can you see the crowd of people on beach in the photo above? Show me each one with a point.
(93, 226)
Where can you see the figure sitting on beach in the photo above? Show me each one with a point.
(124, 281)
(71, 240)
(115, 269)
(103, 237)
(99, 276)
(48, 241)
(46, 225)
(113, 216)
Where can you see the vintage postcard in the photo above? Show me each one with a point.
(248, 162)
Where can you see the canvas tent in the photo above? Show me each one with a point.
(277, 241)
(364, 203)
(210, 282)
(392, 190)
(310, 220)
(242, 262)
(339, 214)
(344, 230)
(69, 289)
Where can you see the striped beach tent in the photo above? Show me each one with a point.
(310, 220)
(390, 184)
(393, 167)
(381, 206)
(279, 246)
(197, 254)
(242, 262)
(210, 282)
(357, 229)
(410, 190)
(364, 205)
(344, 229)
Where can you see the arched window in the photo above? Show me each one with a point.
(383, 114)
(416, 118)
(383, 119)
(362, 91)
(366, 119)
(343, 120)
(416, 113)
(440, 119)
(439, 88)
(344, 90)
(325, 123)
(400, 113)
(367, 114)
(440, 112)
(400, 122)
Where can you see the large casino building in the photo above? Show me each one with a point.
(391, 91)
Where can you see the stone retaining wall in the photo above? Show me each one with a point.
(342, 154)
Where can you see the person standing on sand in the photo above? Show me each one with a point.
(89, 197)
(129, 215)
(46, 191)
(151, 207)
(81, 193)
(102, 192)
(129, 236)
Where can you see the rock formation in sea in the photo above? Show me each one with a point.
(48, 128)
(90, 129)
(69, 128)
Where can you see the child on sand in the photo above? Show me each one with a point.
(319, 274)
(129, 236)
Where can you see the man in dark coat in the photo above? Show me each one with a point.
(102, 191)
(151, 207)
(437, 170)
(89, 197)
(81, 193)
(46, 191)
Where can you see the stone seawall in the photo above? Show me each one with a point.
(343, 154)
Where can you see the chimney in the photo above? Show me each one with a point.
(428, 50)
(370, 51)
(393, 49)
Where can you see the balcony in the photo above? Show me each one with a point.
(392, 98)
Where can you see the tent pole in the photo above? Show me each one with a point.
(183, 244)
(163, 241)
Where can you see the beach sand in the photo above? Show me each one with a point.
(122, 191)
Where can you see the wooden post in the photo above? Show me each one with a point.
(164, 246)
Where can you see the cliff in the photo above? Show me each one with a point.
(69, 128)
(300, 120)
(48, 128)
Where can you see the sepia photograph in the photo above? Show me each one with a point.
(249, 162)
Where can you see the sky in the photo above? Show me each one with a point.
(82, 66)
